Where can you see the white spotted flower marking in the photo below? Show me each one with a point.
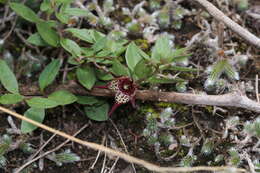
(124, 89)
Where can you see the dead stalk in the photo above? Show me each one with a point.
(220, 16)
(122, 155)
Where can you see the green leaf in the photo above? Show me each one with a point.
(234, 157)
(74, 61)
(143, 69)
(62, 97)
(35, 114)
(64, 1)
(96, 35)
(39, 102)
(180, 53)
(2, 2)
(36, 40)
(3, 160)
(46, 5)
(162, 49)
(207, 147)
(62, 17)
(181, 87)
(5, 144)
(143, 54)
(77, 12)
(83, 34)
(97, 113)
(52, 23)
(114, 46)
(86, 76)
(103, 53)
(100, 44)
(231, 72)
(7, 78)
(132, 56)
(87, 51)
(48, 75)
(102, 75)
(47, 33)
(220, 67)
(154, 80)
(180, 59)
(25, 12)
(217, 69)
(87, 100)
(119, 69)
(181, 69)
(71, 46)
(10, 98)
(65, 157)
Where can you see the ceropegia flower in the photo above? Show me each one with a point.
(124, 89)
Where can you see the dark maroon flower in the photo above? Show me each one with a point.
(124, 89)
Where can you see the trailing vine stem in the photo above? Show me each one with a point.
(234, 99)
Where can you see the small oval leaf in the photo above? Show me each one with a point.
(83, 34)
(86, 76)
(36, 40)
(48, 75)
(132, 55)
(162, 49)
(47, 33)
(24, 12)
(97, 113)
(77, 12)
(71, 46)
(35, 114)
(143, 69)
(62, 97)
(102, 75)
(7, 78)
(44, 103)
(87, 100)
(10, 98)
(119, 69)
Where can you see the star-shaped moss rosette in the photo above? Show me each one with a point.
(124, 89)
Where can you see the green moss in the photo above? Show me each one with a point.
(142, 43)
(146, 108)
(187, 75)
(174, 106)
(167, 153)
(209, 108)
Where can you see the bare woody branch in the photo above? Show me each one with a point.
(230, 100)
(220, 16)
(234, 99)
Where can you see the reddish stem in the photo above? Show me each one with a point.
(115, 106)
(101, 86)
(133, 102)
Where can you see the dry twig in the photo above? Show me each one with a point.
(122, 141)
(50, 151)
(122, 155)
(234, 99)
(256, 89)
(220, 16)
(98, 154)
